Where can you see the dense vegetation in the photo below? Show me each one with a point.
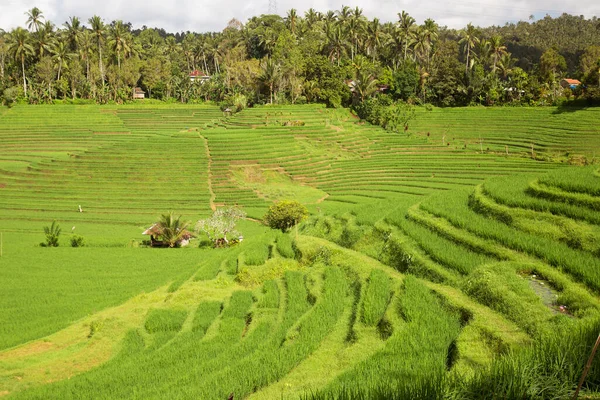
(302, 59)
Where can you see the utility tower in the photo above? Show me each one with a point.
(272, 6)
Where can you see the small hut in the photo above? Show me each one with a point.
(138, 93)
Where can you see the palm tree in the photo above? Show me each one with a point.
(484, 49)
(430, 33)
(3, 51)
(292, 20)
(497, 48)
(374, 34)
(172, 230)
(336, 43)
(20, 48)
(365, 84)
(43, 41)
(73, 30)
(118, 39)
(506, 64)
(355, 28)
(34, 18)
(407, 29)
(469, 39)
(270, 75)
(98, 29)
(60, 56)
(86, 44)
(310, 17)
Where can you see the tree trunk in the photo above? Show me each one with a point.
(467, 65)
(23, 68)
(100, 61)
(271, 90)
(205, 66)
(119, 59)
(59, 70)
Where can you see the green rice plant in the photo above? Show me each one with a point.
(499, 287)
(284, 246)
(256, 255)
(413, 360)
(376, 297)
(550, 368)
(581, 265)
(165, 320)
(270, 298)
(538, 189)
(512, 192)
(204, 316)
(576, 180)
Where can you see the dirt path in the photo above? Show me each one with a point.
(210, 189)
(322, 199)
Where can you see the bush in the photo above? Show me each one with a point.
(77, 241)
(52, 234)
(284, 214)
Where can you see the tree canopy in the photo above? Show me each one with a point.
(336, 57)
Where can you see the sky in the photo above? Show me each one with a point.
(213, 15)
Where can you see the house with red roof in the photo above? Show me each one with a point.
(570, 83)
(198, 76)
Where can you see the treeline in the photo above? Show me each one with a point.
(338, 57)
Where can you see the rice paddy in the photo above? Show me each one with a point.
(462, 254)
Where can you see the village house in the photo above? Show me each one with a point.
(569, 83)
(198, 76)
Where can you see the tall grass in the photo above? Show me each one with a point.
(376, 297)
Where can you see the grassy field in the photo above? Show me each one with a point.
(460, 259)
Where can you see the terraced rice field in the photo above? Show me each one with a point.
(428, 257)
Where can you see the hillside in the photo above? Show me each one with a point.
(458, 259)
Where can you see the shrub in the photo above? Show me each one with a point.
(77, 241)
(52, 234)
(284, 214)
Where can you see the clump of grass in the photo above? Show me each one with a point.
(256, 255)
(376, 298)
(165, 320)
(205, 314)
(270, 298)
(284, 246)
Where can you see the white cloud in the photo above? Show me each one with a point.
(205, 15)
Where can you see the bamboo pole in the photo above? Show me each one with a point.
(587, 367)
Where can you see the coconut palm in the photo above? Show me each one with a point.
(86, 45)
(311, 17)
(291, 20)
(336, 42)
(365, 84)
(43, 41)
(270, 75)
(60, 55)
(172, 230)
(20, 48)
(99, 31)
(498, 50)
(118, 40)
(469, 39)
(34, 18)
(3, 51)
(374, 36)
(73, 31)
(407, 29)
